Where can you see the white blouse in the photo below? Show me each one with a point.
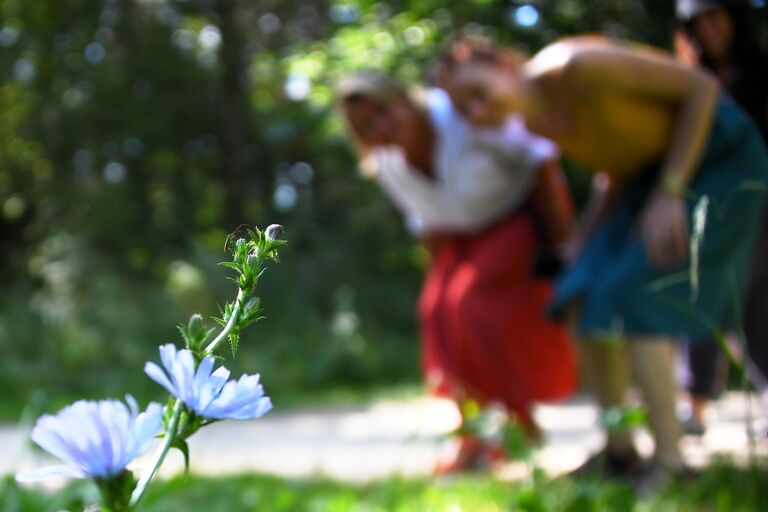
(479, 174)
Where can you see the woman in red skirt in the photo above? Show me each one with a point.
(487, 204)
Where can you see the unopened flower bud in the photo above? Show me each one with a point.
(274, 232)
(196, 323)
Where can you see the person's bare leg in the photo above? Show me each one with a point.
(652, 361)
(699, 407)
(606, 368)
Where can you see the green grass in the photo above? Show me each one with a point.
(722, 488)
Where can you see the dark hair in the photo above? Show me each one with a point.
(471, 48)
(745, 49)
(370, 84)
(749, 85)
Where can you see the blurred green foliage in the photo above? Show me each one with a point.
(722, 488)
(135, 134)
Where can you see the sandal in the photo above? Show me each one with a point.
(470, 454)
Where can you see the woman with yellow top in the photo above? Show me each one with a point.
(660, 138)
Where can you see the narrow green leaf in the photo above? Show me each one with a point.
(181, 445)
(185, 335)
(248, 321)
(234, 338)
(208, 335)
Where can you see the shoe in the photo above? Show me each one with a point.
(654, 477)
(685, 474)
(693, 427)
(651, 479)
(606, 464)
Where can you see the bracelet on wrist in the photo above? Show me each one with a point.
(674, 186)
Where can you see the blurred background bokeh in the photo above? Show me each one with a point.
(136, 134)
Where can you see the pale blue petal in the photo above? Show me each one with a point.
(158, 375)
(99, 439)
(184, 372)
(170, 358)
(208, 393)
(49, 471)
(203, 373)
(44, 434)
(146, 427)
(168, 355)
(243, 399)
(219, 378)
(100, 445)
(132, 405)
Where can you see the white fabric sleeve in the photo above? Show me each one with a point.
(516, 146)
(427, 204)
(487, 188)
(497, 171)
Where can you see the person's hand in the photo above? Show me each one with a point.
(390, 160)
(665, 231)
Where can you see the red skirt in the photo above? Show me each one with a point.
(483, 321)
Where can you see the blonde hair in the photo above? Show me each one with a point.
(381, 88)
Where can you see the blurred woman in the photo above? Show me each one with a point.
(468, 193)
(662, 139)
(716, 35)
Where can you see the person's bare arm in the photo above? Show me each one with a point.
(693, 94)
(554, 203)
(601, 198)
(654, 74)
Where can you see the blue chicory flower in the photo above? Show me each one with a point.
(208, 394)
(97, 439)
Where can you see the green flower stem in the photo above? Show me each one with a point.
(233, 320)
(115, 493)
(160, 454)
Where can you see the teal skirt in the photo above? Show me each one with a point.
(620, 292)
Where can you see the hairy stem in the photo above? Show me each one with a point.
(233, 319)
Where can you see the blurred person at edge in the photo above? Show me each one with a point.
(717, 35)
(489, 205)
(658, 137)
